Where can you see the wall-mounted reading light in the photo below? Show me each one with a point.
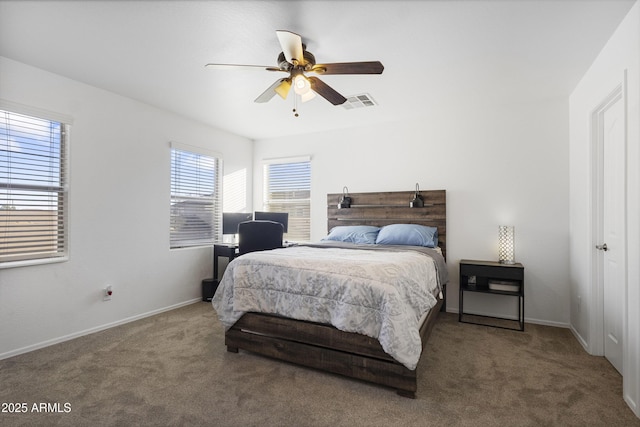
(345, 201)
(506, 244)
(417, 201)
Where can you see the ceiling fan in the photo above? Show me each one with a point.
(296, 60)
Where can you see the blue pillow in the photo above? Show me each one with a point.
(354, 234)
(408, 234)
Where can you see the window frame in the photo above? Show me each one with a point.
(62, 189)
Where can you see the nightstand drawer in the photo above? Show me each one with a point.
(507, 272)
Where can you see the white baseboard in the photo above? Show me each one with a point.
(515, 318)
(580, 339)
(89, 331)
(632, 405)
(546, 323)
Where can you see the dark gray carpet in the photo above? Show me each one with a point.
(172, 369)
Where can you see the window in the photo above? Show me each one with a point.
(287, 188)
(196, 217)
(33, 189)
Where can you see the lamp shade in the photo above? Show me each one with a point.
(283, 88)
(506, 244)
(301, 85)
(308, 96)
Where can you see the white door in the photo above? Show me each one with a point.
(613, 229)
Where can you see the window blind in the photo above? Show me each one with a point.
(33, 188)
(196, 217)
(287, 188)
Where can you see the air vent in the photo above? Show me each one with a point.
(359, 101)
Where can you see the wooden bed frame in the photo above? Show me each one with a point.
(324, 347)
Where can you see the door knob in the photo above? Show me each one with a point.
(602, 247)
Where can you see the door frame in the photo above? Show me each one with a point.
(596, 318)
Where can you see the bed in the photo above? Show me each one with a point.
(379, 341)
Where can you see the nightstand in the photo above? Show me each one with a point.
(491, 277)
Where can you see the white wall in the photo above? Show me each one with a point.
(119, 215)
(500, 164)
(621, 53)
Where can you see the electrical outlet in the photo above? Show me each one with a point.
(107, 292)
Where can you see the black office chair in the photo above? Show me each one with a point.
(259, 236)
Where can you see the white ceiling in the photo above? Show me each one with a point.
(436, 53)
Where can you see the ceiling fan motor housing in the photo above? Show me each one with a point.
(308, 61)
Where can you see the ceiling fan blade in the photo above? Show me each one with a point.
(291, 44)
(326, 91)
(280, 86)
(236, 66)
(368, 67)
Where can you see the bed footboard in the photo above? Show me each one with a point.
(324, 347)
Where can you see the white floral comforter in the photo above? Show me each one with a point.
(378, 293)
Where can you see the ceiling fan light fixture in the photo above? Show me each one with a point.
(283, 88)
(308, 96)
(301, 85)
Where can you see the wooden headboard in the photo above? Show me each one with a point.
(384, 208)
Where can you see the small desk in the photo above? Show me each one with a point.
(222, 249)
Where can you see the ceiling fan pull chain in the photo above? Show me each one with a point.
(295, 105)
